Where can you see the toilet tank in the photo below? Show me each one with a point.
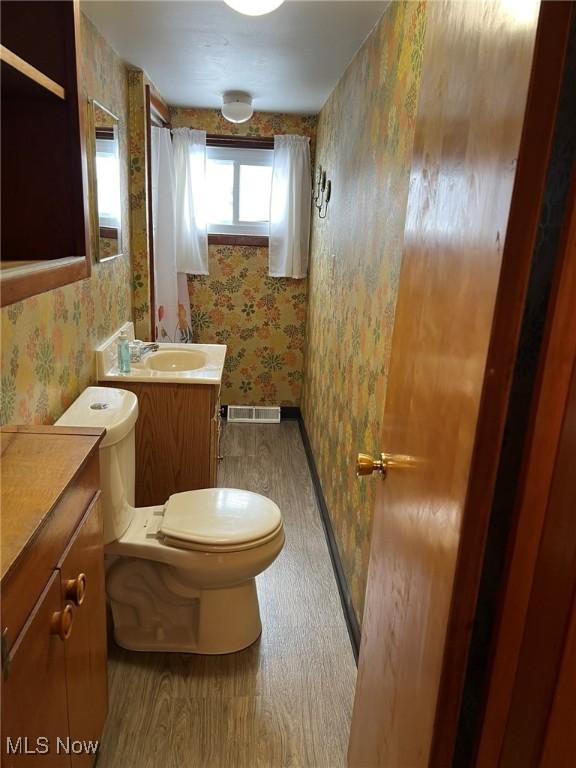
(117, 411)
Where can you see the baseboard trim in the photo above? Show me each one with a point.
(343, 590)
(290, 412)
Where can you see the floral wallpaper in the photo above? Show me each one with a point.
(365, 138)
(261, 319)
(47, 340)
(139, 203)
(107, 246)
(260, 124)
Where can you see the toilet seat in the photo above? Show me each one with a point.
(219, 520)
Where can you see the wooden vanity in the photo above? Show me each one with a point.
(54, 680)
(177, 438)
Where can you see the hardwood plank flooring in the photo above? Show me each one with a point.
(286, 701)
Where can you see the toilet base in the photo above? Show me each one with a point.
(154, 608)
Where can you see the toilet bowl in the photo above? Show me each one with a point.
(181, 576)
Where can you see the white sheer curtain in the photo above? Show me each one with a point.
(290, 205)
(190, 201)
(172, 302)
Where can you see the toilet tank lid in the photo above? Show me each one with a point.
(114, 409)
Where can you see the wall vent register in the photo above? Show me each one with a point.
(261, 414)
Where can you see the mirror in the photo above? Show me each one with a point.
(105, 172)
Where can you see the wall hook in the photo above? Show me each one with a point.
(325, 200)
(318, 184)
(322, 191)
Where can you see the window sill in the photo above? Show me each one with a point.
(256, 241)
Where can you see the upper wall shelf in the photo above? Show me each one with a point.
(44, 171)
(8, 57)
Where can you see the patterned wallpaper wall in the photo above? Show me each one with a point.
(261, 319)
(47, 340)
(260, 124)
(137, 82)
(365, 137)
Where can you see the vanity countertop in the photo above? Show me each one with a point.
(168, 363)
(38, 464)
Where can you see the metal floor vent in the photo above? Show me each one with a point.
(248, 413)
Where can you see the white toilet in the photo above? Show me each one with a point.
(180, 577)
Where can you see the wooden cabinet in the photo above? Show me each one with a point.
(34, 704)
(44, 172)
(82, 584)
(54, 681)
(177, 438)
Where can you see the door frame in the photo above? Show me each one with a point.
(541, 533)
(534, 155)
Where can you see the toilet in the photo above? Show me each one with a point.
(181, 576)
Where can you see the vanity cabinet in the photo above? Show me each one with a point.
(34, 705)
(177, 438)
(82, 585)
(53, 612)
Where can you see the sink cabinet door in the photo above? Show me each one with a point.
(82, 583)
(34, 702)
(215, 436)
(176, 439)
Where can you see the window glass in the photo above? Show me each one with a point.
(254, 194)
(220, 178)
(239, 183)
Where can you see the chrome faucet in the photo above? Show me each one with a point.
(147, 348)
(138, 349)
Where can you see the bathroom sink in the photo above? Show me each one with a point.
(175, 360)
(171, 363)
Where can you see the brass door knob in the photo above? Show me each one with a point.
(75, 589)
(366, 465)
(61, 622)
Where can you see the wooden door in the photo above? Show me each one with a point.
(34, 706)
(530, 709)
(559, 745)
(82, 583)
(476, 74)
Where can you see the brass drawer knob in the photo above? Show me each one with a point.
(61, 622)
(75, 589)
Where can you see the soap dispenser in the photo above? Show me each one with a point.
(123, 353)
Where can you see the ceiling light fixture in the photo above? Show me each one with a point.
(237, 106)
(254, 7)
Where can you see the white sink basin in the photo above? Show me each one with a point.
(175, 360)
(172, 363)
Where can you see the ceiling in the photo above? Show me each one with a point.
(289, 60)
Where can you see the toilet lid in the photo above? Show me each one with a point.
(219, 516)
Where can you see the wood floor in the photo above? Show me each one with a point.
(286, 702)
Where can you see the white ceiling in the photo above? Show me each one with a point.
(289, 60)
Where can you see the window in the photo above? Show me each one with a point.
(239, 182)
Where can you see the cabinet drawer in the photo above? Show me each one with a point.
(22, 587)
